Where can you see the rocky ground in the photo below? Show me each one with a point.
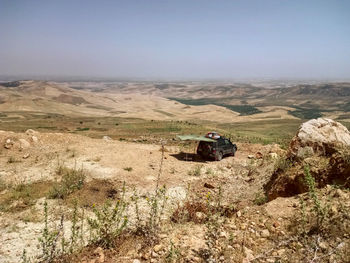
(214, 212)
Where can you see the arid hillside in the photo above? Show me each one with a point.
(69, 198)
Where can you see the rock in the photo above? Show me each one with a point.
(157, 248)
(209, 186)
(31, 132)
(239, 213)
(35, 139)
(248, 253)
(323, 245)
(323, 145)
(318, 136)
(107, 138)
(265, 233)
(136, 261)
(223, 234)
(276, 224)
(258, 155)
(340, 193)
(25, 156)
(281, 251)
(8, 144)
(24, 144)
(273, 155)
(200, 216)
(250, 156)
(154, 254)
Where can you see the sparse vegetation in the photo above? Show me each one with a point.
(71, 180)
(196, 171)
(128, 169)
(108, 222)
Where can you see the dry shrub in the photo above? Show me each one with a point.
(191, 211)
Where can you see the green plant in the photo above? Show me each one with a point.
(318, 208)
(108, 222)
(24, 257)
(173, 253)
(129, 169)
(48, 239)
(72, 180)
(196, 171)
(282, 164)
(209, 171)
(260, 198)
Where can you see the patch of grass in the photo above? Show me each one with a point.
(282, 164)
(196, 171)
(260, 199)
(82, 129)
(306, 114)
(242, 109)
(22, 196)
(72, 180)
(209, 171)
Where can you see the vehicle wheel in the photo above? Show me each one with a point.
(219, 156)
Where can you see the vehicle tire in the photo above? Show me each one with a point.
(219, 156)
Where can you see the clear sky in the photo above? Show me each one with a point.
(176, 38)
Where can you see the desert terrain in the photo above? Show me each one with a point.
(94, 172)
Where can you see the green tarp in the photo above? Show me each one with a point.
(194, 138)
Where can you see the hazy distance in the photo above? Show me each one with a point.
(176, 39)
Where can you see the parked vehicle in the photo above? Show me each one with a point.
(217, 148)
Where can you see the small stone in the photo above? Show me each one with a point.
(276, 224)
(35, 139)
(333, 210)
(157, 248)
(323, 245)
(248, 254)
(250, 156)
(8, 144)
(200, 216)
(258, 155)
(25, 156)
(107, 138)
(273, 155)
(239, 214)
(280, 252)
(136, 261)
(274, 254)
(340, 193)
(265, 233)
(223, 234)
(209, 186)
(163, 236)
(243, 226)
(154, 254)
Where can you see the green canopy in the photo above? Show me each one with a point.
(194, 138)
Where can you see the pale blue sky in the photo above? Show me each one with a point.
(176, 39)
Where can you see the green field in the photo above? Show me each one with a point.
(151, 131)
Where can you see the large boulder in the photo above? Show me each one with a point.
(322, 145)
(321, 137)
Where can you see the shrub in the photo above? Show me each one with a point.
(196, 171)
(108, 222)
(72, 180)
